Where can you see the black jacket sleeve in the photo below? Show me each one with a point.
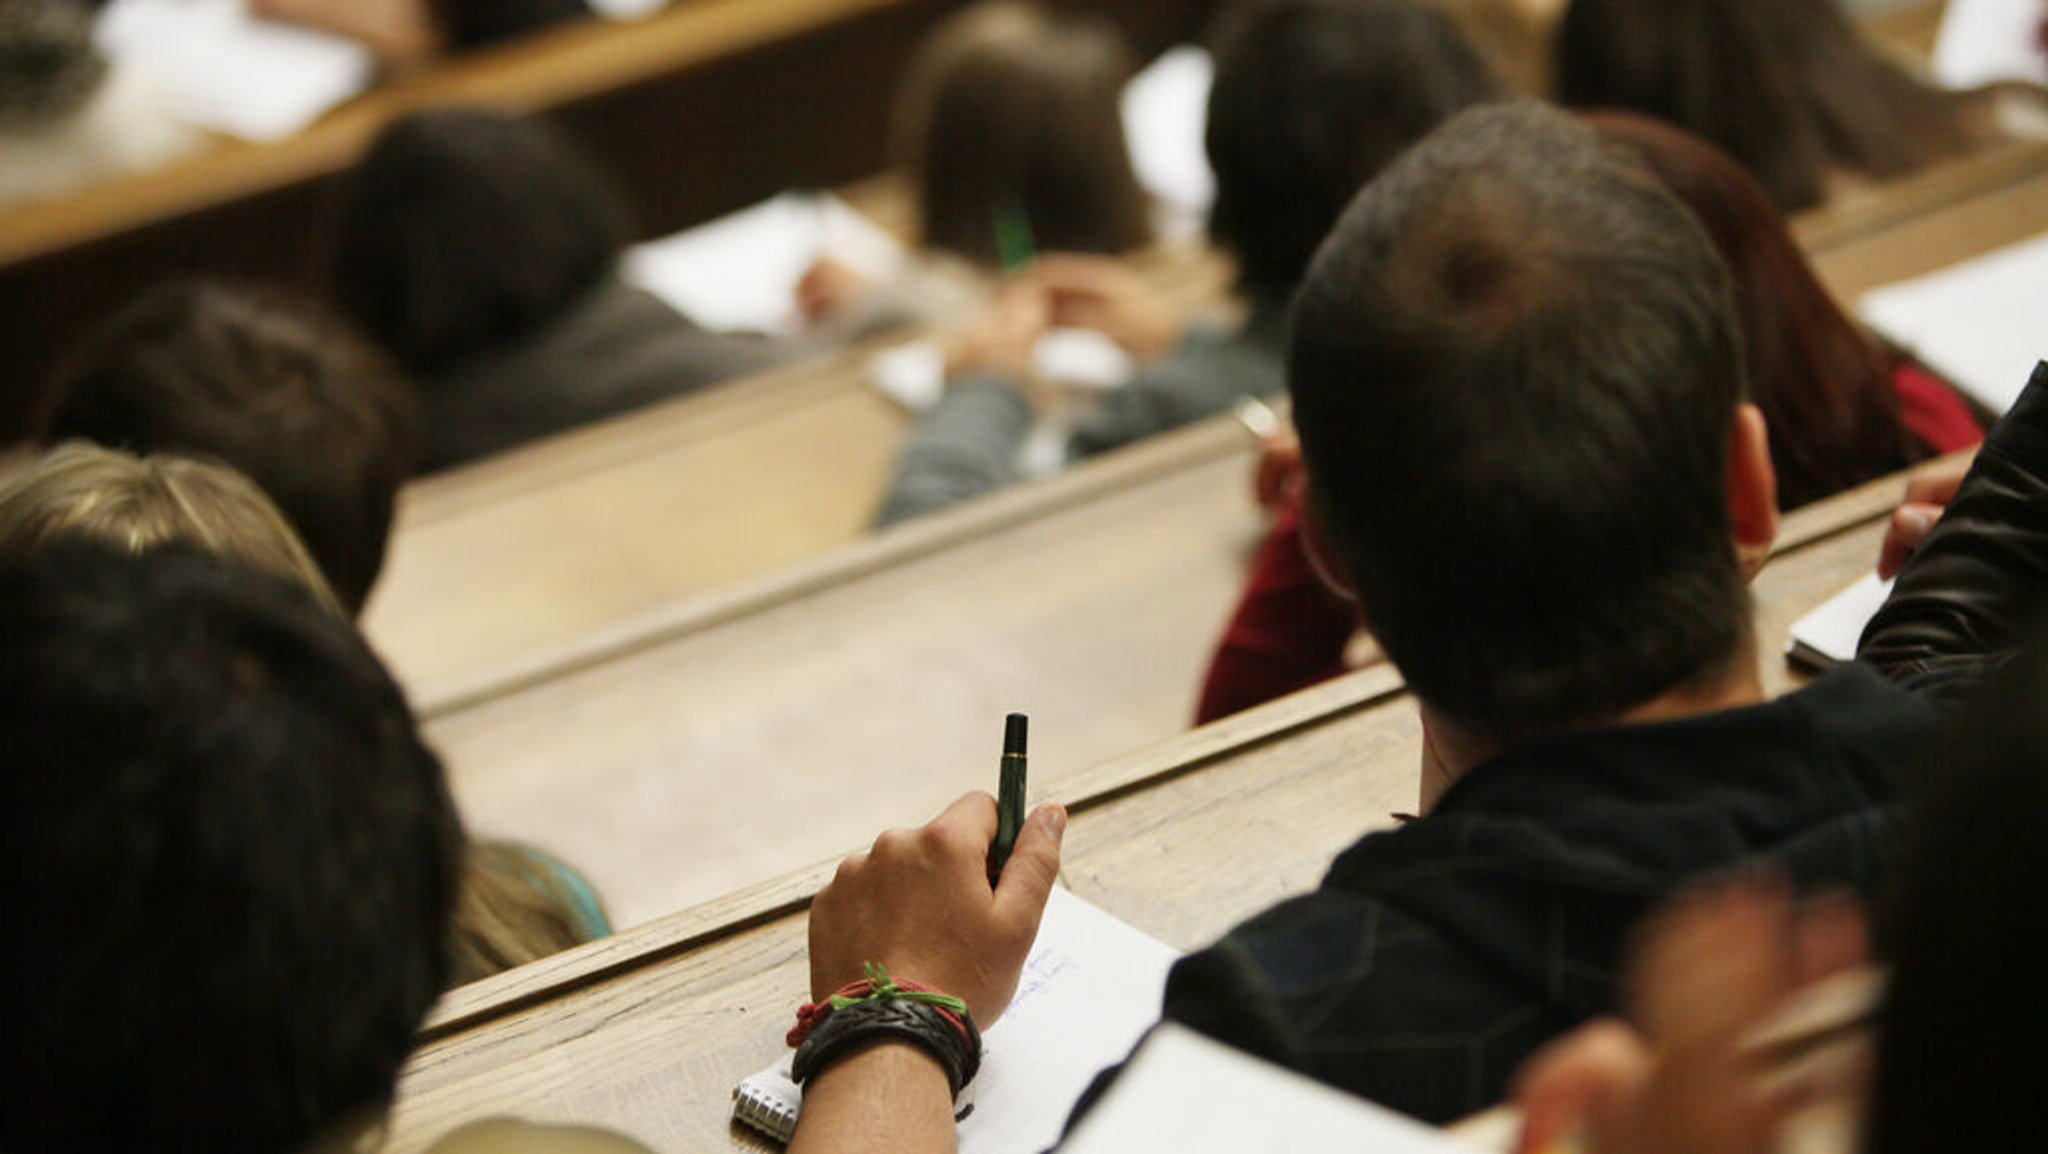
(1982, 574)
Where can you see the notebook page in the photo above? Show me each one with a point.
(1982, 41)
(1828, 635)
(1187, 1094)
(1976, 323)
(1090, 989)
(222, 69)
(741, 271)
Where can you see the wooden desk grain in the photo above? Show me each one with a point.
(648, 1033)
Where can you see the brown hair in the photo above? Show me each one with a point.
(1008, 109)
(1824, 387)
(517, 905)
(1787, 87)
(138, 503)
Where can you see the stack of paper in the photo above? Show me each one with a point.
(1982, 324)
(741, 271)
(225, 70)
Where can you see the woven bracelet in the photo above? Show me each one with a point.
(849, 1029)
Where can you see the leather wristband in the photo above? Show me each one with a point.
(853, 1028)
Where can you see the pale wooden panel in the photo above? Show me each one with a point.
(1933, 240)
(653, 1050)
(776, 727)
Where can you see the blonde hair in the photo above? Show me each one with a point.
(80, 490)
(515, 904)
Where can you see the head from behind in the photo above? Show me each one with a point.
(281, 392)
(242, 855)
(1962, 930)
(48, 66)
(1312, 98)
(1789, 88)
(1824, 388)
(464, 229)
(1009, 116)
(1517, 373)
(135, 504)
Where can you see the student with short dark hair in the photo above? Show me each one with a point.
(240, 859)
(1519, 383)
(1791, 88)
(1311, 98)
(482, 250)
(272, 386)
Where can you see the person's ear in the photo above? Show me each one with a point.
(1323, 556)
(1752, 490)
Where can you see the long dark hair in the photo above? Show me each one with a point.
(1009, 113)
(1787, 87)
(1824, 386)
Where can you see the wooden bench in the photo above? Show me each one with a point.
(648, 1031)
(704, 108)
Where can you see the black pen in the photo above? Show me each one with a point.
(1010, 797)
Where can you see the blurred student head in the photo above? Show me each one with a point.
(1312, 98)
(83, 491)
(270, 385)
(1009, 116)
(1789, 88)
(49, 69)
(242, 858)
(1517, 374)
(463, 229)
(1824, 387)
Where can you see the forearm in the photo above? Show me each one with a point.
(963, 448)
(889, 1097)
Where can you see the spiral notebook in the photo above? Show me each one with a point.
(1090, 989)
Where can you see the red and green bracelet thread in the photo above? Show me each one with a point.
(877, 984)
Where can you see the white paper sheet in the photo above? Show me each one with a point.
(1828, 635)
(1982, 41)
(225, 70)
(1982, 324)
(1187, 1094)
(1165, 111)
(741, 271)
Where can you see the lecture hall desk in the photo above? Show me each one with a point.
(648, 1032)
(665, 759)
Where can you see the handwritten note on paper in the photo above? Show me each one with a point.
(225, 70)
(1978, 323)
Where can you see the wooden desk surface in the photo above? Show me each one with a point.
(648, 1032)
(872, 679)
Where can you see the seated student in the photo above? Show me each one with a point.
(1312, 97)
(69, 118)
(516, 903)
(278, 389)
(1791, 88)
(407, 32)
(1512, 336)
(243, 859)
(1956, 1027)
(483, 252)
(1842, 408)
(1008, 120)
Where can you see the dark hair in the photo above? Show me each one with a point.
(270, 385)
(1788, 87)
(1824, 387)
(237, 858)
(475, 23)
(1515, 370)
(1010, 109)
(463, 229)
(1963, 930)
(1312, 98)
